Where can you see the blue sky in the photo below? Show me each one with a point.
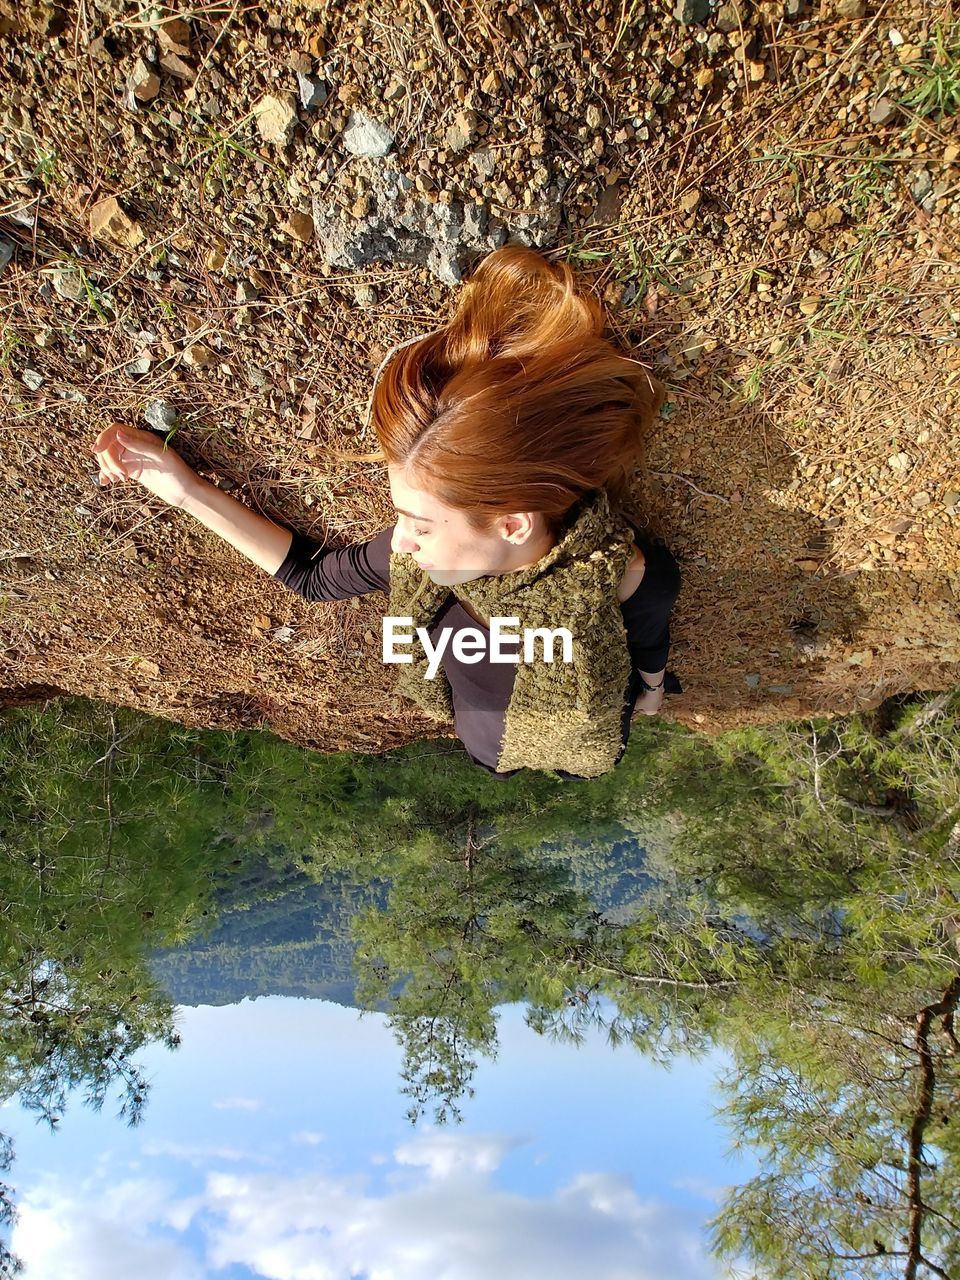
(275, 1145)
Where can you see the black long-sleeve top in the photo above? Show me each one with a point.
(481, 690)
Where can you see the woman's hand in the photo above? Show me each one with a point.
(126, 453)
(648, 703)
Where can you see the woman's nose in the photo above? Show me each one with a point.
(403, 542)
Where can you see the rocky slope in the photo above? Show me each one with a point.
(235, 211)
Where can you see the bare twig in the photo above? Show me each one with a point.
(674, 475)
(108, 797)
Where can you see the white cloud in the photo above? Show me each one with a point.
(64, 1235)
(445, 1219)
(307, 1138)
(238, 1104)
(444, 1154)
(200, 1154)
(456, 1227)
(700, 1187)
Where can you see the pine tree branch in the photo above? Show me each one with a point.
(930, 712)
(650, 981)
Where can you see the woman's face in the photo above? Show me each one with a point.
(442, 542)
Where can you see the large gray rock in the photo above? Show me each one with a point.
(402, 226)
(399, 224)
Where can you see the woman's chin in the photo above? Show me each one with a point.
(451, 577)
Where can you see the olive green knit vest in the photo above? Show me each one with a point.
(561, 715)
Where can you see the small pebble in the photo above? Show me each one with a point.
(160, 415)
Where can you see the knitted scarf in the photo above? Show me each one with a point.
(561, 715)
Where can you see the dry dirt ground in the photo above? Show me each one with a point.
(765, 195)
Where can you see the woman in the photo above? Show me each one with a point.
(510, 436)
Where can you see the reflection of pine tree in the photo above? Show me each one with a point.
(793, 894)
(851, 1103)
(463, 921)
(470, 924)
(93, 802)
(842, 843)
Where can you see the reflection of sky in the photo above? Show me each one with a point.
(275, 1144)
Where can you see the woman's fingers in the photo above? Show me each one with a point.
(133, 449)
(101, 450)
(110, 465)
(114, 455)
(106, 468)
(110, 460)
(123, 452)
(106, 436)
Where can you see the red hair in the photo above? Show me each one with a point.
(518, 403)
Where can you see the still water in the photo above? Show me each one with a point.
(272, 1014)
(275, 1144)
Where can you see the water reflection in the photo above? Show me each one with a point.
(787, 897)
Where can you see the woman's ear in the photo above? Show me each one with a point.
(519, 526)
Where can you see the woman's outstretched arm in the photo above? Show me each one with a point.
(259, 539)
